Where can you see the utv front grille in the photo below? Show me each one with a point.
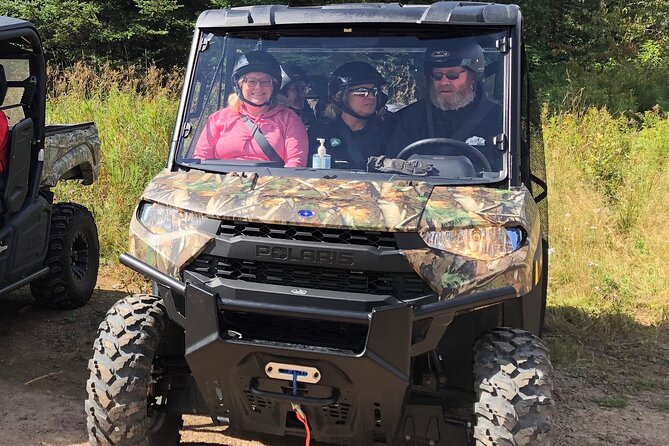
(401, 285)
(385, 240)
(289, 330)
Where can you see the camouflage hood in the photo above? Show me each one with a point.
(393, 206)
(364, 205)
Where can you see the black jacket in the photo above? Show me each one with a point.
(306, 114)
(348, 149)
(476, 124)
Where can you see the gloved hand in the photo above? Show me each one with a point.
(397, 165)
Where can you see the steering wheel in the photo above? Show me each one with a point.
(446, 146)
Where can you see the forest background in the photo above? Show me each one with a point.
(600, 68)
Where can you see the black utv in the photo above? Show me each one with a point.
(51, 246)
(396, 301)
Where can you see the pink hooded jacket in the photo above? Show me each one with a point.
(225, 136)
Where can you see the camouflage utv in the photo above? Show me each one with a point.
(51, 246)
(386, 305)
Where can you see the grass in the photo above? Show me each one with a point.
(135, 120)
(608, 308)
(608, 201)
(608, 210)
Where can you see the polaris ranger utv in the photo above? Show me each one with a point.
(52, 247)
(395, 304)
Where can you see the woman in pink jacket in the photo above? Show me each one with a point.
(256, 76)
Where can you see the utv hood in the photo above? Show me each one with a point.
(363, 205)
(393, 206)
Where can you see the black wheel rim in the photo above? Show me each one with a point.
(80, 257)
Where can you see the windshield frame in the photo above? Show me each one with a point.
(510, 99)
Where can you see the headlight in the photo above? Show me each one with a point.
(161, 219)
(487, 243)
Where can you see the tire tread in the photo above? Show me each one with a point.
(120, 373)
(514, 386)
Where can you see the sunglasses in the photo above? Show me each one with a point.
(363, 92)
(438, 75)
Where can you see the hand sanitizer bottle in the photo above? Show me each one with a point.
(321, 160)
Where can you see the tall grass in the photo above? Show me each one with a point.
(134, 116)
(608, 290)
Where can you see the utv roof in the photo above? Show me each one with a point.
(440, 12)
(11, 23)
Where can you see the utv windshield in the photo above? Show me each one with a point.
(401, 105)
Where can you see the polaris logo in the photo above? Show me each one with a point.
(304, 255)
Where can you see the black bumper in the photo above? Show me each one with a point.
(362, 394)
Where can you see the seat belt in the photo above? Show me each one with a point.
(264, 145)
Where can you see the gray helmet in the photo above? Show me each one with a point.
(464, 53)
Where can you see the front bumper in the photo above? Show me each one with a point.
(362, 394)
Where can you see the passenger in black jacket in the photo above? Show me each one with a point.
(456, 108)
(356, 130)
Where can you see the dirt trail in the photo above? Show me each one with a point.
(43, 374)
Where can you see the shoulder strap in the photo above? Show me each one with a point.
(265, 146)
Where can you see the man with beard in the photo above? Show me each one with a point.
(457, 107)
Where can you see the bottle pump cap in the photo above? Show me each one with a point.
(321, 148)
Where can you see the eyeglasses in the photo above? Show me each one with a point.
(438, 75)
(363, 92)
(251, 82)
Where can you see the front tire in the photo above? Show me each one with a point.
(73, 258)
(122, 408)
(514, 385)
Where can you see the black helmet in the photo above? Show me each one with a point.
(257, 61)
(454, 53)
(349, 75)
(292, 73)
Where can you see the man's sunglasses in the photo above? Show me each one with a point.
(438, 75)
(363, 92)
